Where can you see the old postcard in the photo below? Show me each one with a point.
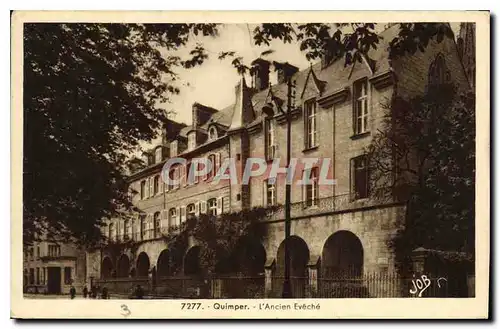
(250, 165)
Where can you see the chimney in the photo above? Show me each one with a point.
(260, 74)
(284, 71)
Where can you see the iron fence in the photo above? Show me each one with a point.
(368, 285)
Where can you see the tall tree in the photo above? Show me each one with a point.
(91, 94)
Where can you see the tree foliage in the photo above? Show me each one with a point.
(91, 94)
(220, 238)
(426, 152)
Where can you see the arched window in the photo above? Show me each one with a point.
(212, 207)
(172, 217)
(438, 72)
(212, 133)
(157, 224)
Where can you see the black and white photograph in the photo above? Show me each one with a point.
(234, 166)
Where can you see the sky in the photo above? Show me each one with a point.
(213, 82)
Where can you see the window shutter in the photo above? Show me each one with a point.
(182, 175)
(164, 218)
(177, 216)
(264, 193)
(352, 189)
(196, 209)
(220, 207)
(151, 186)
(183, 214)
(203, 207)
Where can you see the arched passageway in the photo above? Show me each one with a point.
(142, 268)
(250, 257)
(123, 269)
(192, 261)
(106, 268)
(341, 273)
(342, 256)
(299, 257)
(163, 265)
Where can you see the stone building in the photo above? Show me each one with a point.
(53, 267)
(335, 229)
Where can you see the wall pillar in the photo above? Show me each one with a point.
(269, 269)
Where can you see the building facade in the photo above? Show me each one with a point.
(335, 229)
(53, 267)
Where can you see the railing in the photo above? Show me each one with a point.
(368, 285)
(342, 202)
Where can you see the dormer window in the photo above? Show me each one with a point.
(173, 149)
(212, 133)
(192, 141)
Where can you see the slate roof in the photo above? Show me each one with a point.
(331, 78)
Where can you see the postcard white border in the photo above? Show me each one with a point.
(329, 308)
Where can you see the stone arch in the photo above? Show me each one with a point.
(142, 267)
(163, 264)
(250, 257)
(342, 255)
(192, 261)
(106, 268)
(123, 268)
(299, 258)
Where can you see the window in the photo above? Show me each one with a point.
(212, 207)
(158, 154)
(270, 193)
(192, 141)
(143, 189)
(32, 254)
(67, 275)
(172, 217)
(212, 133)
(126, 229)
(270, 140)
(156, 183)
(37, 275)
(37, 252)
(359, 177)
(32, 276)
(438, 72)
(157, 224)
(311, 125)
(360, 107)
(312, 192)
(177, 177)
(213, 165)
(190, 210)
(143, 226)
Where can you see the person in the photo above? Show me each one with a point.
(139, 293)
(85, 292)
(94, 292)
(104, 293)
(72, 292)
